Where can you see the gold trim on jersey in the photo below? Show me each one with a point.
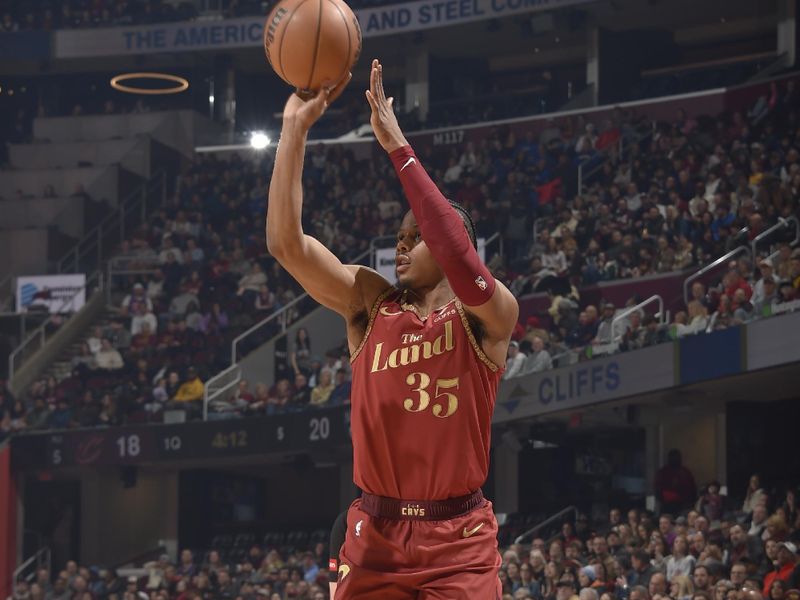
(372, 314)
(475, 345)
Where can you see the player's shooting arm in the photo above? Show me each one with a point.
(317, 269)
(441, 227)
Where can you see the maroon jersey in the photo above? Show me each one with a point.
(422, 400)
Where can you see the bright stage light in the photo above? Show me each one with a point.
(259, 140)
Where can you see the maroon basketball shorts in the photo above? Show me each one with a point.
(394, 550)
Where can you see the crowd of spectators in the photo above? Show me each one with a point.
(709, 548)
(678, 196)
(81, 14)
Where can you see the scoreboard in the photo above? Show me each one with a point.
(310, 430)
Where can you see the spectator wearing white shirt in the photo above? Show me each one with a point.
(514, 362)
(250, 284)
(108, 358)
(168, 248)
(695, 322)
(132, 303)
(554, 258)
(142, 316)
(453, 172)
(765, 267)
(681, 562)
(604, 333)
(95, 342)
(538, 360)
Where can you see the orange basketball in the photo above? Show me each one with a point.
(310, 42)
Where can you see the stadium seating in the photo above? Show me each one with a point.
(200, 274)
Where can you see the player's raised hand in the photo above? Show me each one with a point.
(303, 108)
(384, 122)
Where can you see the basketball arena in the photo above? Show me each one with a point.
(426, 300)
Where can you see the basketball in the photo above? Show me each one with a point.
(310, 42)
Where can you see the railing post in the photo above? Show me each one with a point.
(580, 178)
(144, 204)
(99, 246)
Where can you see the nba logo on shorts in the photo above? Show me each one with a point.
(481, 283)
(358, 528)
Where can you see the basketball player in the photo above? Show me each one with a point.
(426, 357)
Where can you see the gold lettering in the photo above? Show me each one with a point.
(452, 399)
(414, 354)
(411, 354)
(421, 512)
(403, 511)
(424, 396)
(377, 359)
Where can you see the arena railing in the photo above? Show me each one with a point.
(558, 517)
(655, 299)
(711, 266)
(26, 571)
(131, 212)
(781, 224)
(219, 385)
(39, 337)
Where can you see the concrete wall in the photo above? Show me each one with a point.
(133, 154)
(177, 129)
(64, 213)
(23, 251)
(99, 182)
(119, 522)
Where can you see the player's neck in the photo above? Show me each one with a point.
(427, 300)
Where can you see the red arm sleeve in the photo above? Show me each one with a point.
(443, 231)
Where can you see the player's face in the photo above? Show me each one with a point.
(414, 264)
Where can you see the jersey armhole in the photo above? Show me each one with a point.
(474, 342)
(372, 314)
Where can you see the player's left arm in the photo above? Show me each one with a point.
(443, 230)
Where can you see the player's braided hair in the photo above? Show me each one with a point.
(469, 224)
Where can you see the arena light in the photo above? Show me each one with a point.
(259, 140)
(181, 83)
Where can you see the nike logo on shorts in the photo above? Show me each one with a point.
(409, 162)
(470, 532)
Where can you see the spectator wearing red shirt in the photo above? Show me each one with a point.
(787, 561)
(732, 282)
(675, 486)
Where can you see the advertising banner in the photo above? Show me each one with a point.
(248, 32)
(586, 383)
(51, 293)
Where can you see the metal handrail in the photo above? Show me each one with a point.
(209, 396)
(278, 314)
(559, 515)
(42, 557)
(136, 200)
(779, 225)
(40, 332)
(655, 298)
(724, 258)
(281, 313)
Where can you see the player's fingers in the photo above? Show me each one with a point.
(372, 104)
(381, 92)
(390, 101)
(373, 76)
